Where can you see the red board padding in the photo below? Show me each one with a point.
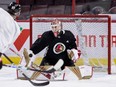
(22, 39)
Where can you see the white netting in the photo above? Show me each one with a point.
(91, 33)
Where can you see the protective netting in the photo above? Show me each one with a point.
(92, 34)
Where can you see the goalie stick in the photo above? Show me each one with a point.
(33, 83)
(8, 58)
(57, 66)
(50, 76)
(16, 53)
(38, 70)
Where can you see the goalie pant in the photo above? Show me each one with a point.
(56, 47)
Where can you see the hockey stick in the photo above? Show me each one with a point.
(8, 58)
(34, 83)
(21, 57)
(16, 53)
(57, 66)
(27, 61)
(50, 76)
(54, 68)
(38, 70)
(19, 68)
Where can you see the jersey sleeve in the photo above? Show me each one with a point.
(8, 31)
(40, 43)
(72, 39)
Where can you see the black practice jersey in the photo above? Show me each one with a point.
(57, 46)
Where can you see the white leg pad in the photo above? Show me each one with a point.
(86, 71)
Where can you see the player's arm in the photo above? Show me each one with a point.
(38, 45)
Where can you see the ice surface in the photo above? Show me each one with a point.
(8, 79)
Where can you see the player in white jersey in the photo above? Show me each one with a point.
(9, 29)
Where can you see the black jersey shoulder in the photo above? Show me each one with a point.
(47, 34)
(68, 33)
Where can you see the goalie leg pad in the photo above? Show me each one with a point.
(76, 71)
(36, 74)
(32, 74)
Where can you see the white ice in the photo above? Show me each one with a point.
(8, 78)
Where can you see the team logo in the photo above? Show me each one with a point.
(59, 48)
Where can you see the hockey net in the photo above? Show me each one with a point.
(92, 33)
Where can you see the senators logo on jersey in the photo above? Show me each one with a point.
(59, 48)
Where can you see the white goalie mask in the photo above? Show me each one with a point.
(56, 25)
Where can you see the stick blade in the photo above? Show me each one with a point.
(35, 83)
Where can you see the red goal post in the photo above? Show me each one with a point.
(93, 34)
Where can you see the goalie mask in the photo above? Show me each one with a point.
(56, 26)
(14, 8)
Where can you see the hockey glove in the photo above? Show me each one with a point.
(74, 54)
(29, 57)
